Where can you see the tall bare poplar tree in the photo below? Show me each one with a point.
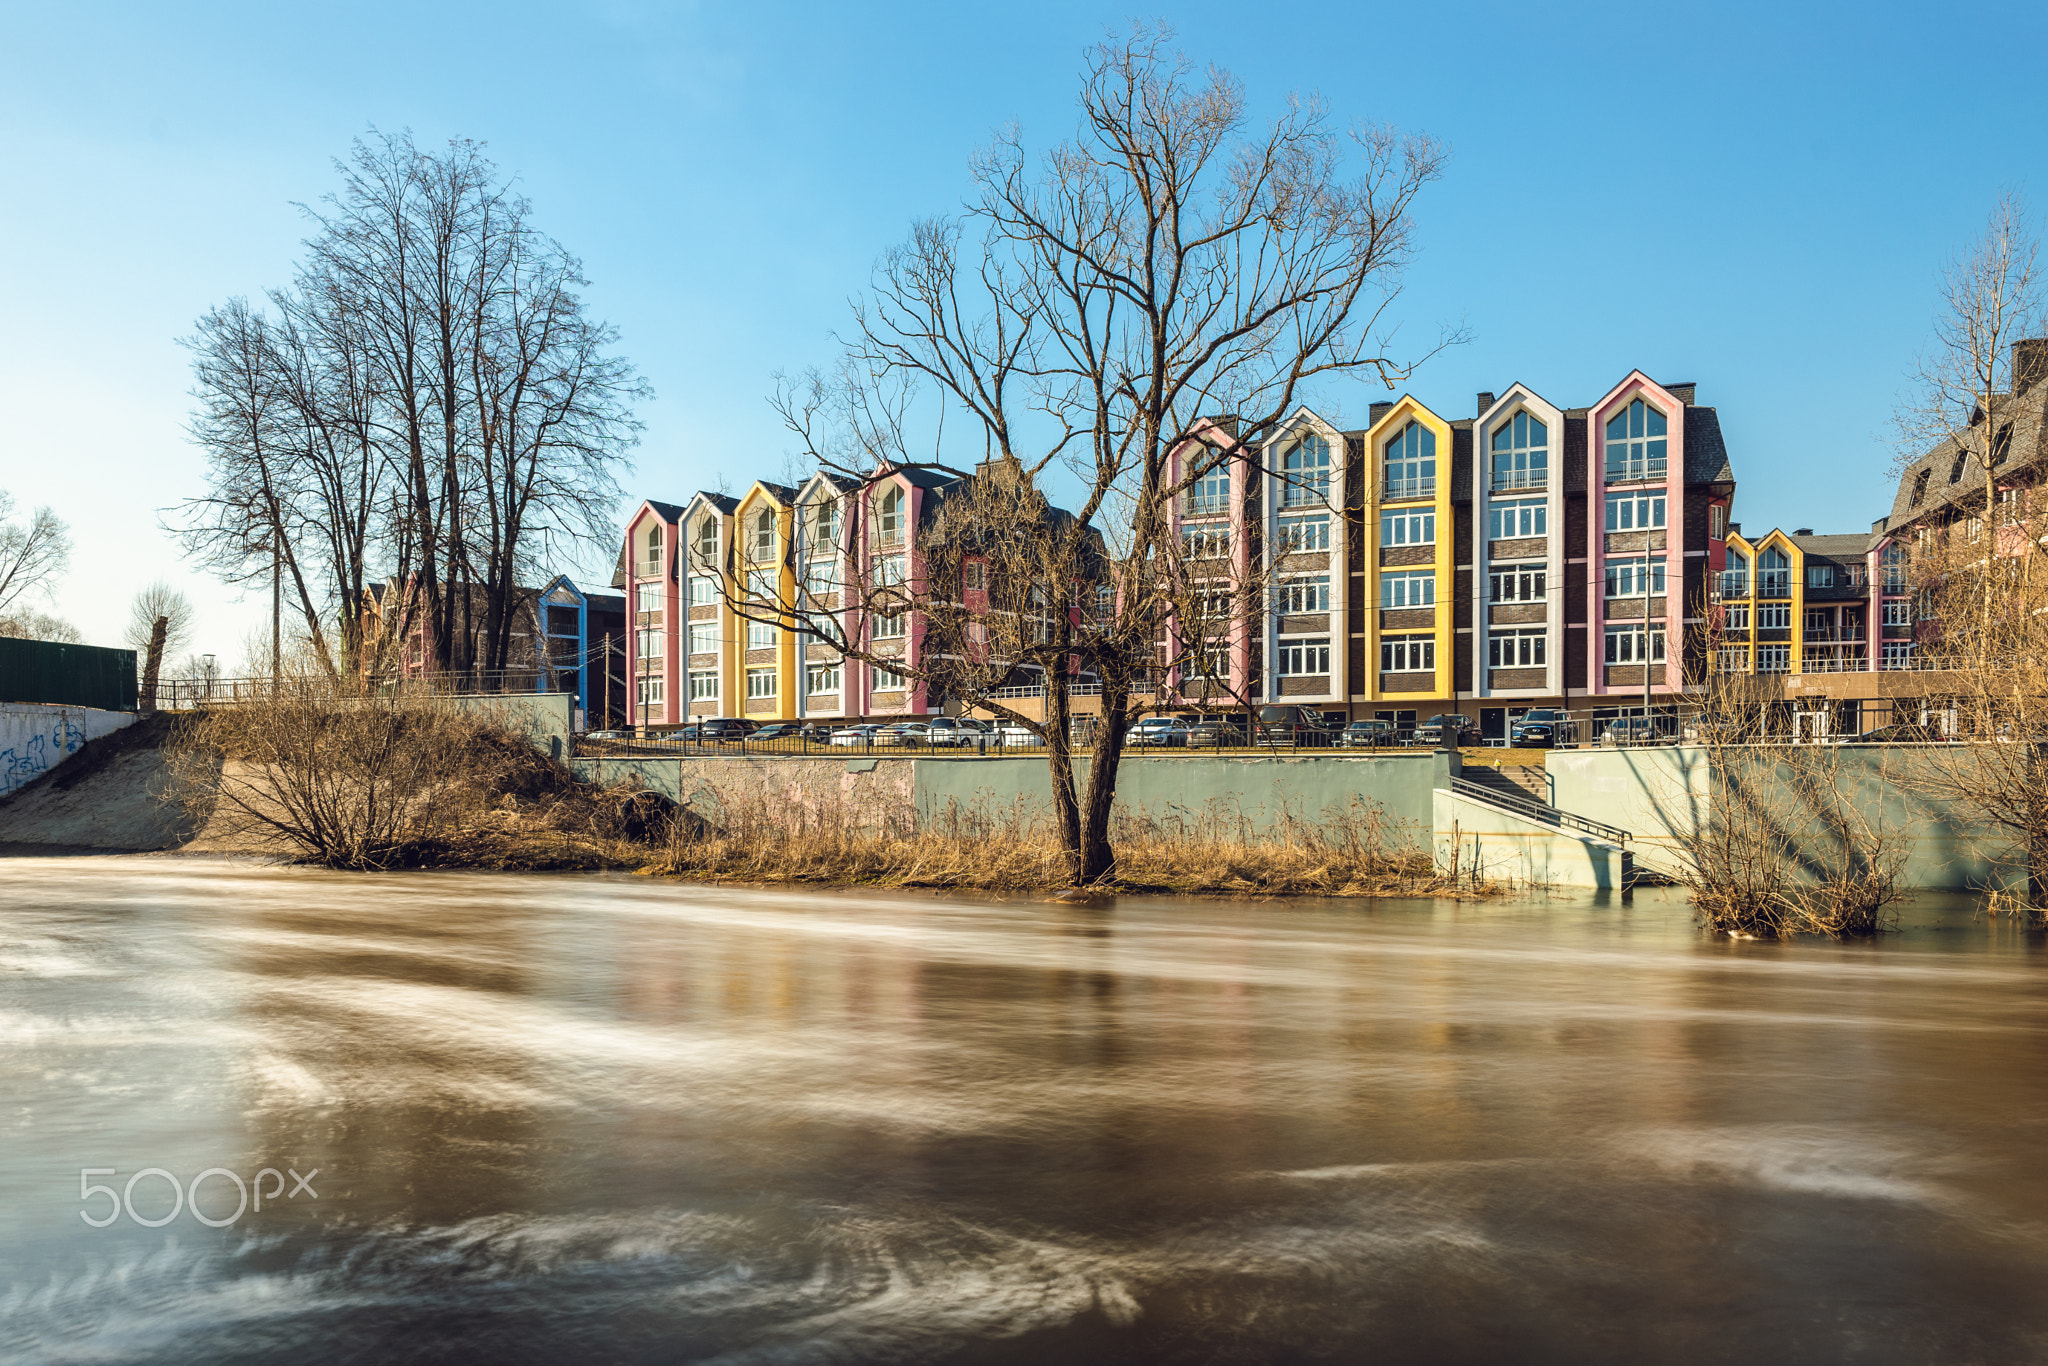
(1093, 310)
(429, 402)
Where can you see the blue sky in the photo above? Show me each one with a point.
(1752, 197)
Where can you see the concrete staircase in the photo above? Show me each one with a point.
(1521, 781)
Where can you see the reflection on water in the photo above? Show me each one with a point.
(584, 1115)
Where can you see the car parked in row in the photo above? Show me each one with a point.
(1633, 730)
(1367, 735)
(1213, 732)
(1010, 735)
(1543, 728)
(1447, 728)
(1299, 726)
(957, 731)
(854, 735)
(1157, 732)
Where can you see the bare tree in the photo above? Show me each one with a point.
(33, 552)
(159, 626)
(1094, 311)
(25, 623)
(430, 399)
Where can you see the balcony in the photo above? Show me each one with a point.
(647, 569)
(1407, 490)
(1520, 481)
(1838, 660)
(1634, 471)
(1730, 583)
(1774, 583)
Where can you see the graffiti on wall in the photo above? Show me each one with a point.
(29, 757)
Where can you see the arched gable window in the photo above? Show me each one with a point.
(707, 541)
(1521, 454)
(764, 535)
(1636, 443)
(1410, 464)
(1305, 468)
(1773, 574)
(825, 523)
(654, 548)
(1920, 486)
(1735, 578)
(889, 515)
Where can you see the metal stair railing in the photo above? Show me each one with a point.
(1538, 811)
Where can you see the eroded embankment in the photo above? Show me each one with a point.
(106, 798)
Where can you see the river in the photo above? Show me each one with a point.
(602, 1118)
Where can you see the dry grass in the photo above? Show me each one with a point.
(754, 838)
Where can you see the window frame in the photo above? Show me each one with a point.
(1535, 511)
(1408, 653)
(1401, 583)
(1527, 462)
(1417, 463)
(1298, 656)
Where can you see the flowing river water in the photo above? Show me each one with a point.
(571, 1118)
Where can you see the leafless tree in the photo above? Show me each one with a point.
(1096, 309)
(33, 552)
(159, 626)
(25, 623)
(430, 400)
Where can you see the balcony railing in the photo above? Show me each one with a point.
(1833, 662)
(1400, 490)
(1731, 584)
(1628, 471)
(1519, 481)
(647, 569)
(1774, 583)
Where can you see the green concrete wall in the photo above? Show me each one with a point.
(1661, 792)
(542, 717)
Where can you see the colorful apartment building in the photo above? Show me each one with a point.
(1529, 556)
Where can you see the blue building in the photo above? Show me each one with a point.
(586, 652)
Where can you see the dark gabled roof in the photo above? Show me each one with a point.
(724, 502)
(1706, 454)
(2026, 421)
(837, 481)
(783, 492)
(604, 602)
(1844, 549)
(668, 512)
(923, 476)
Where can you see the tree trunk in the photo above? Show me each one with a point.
(1059, 756)
(1096, 862)
(153, 662)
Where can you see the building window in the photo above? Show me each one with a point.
(1820, 624)
(821, 679)
(1298, 596)
(1517, 583)
(1625, 644)
(650, 644)
(819, 576)
(1213, 662)
(1305, 471)
(1774, 616)
(974, 574)
(647, 598)
(703, 590)
(760, 635)
(1208, 541)
(760, 683)
(825, 524)
(1408, 527)
(1637, 511)
(703, 637)
(1635, 578)
(890, 571)
(651, 690)
(1920, 486)
(1773, 659)
(651, 566)
(1717, 522)
(886, 679)
(1303, 535)
(1407, 654)
(1773, 574)
(1413, 589)
(1517, 649)
(1955, 471)
(703, 685)
(764, 535)
(1635, 443)
(890, 625)
(1521, 454)
(1733, 659)
(1737, 616)
(1304, 657)
(1410, 464)
(1898, 612)
(1210, 492)
(1518, 520)
(1898, 654)
(889, 516)
(1820, 576)
(707, 541)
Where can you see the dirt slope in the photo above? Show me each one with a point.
(105, 798)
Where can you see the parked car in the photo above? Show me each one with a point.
(1213, 733)
(1543, 728)
(781, 730)
(1447, 728)
(724, 730)
(854, 735)
(901, 735)
(689, 734)
(1295, 726)
(1159, 732)
(1013, 736)
(955, 731)
(608, 735)
(1633, 730)
(1366, 735)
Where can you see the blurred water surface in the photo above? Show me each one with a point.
(610, 1119)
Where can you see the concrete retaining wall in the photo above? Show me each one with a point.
(1477, 835)
(34, 738)
(1662, 792)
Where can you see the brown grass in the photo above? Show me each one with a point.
(989, 847)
